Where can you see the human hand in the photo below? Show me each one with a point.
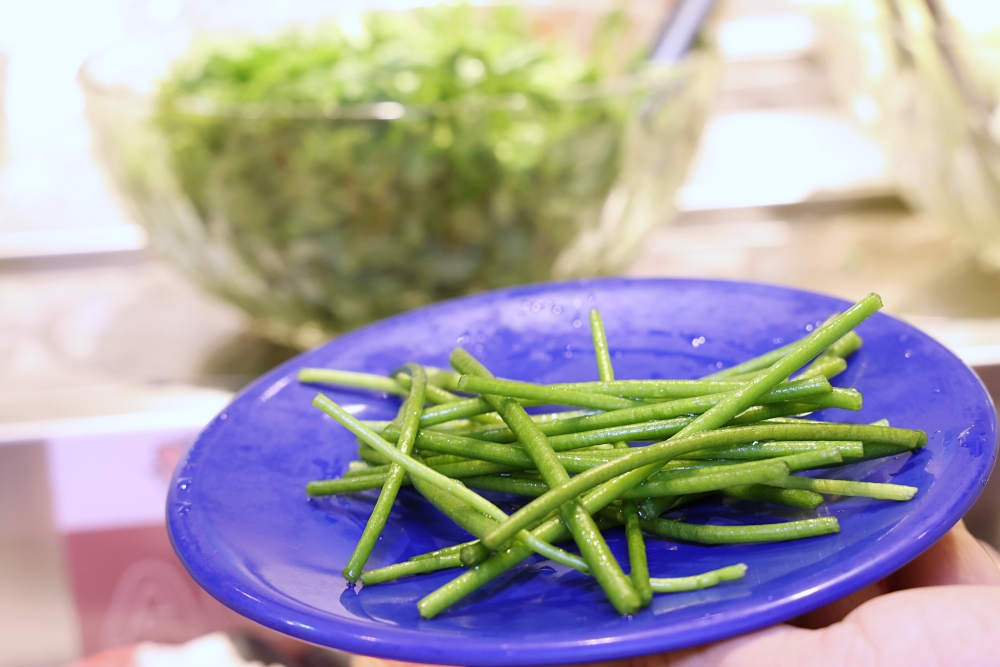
(942, 609)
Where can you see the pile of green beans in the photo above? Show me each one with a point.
(739, 433)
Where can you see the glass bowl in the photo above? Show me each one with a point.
(928, 91)
(315, 220)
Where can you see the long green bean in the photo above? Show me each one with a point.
(652, 389)
(498, 432)
(846, 346)
(476, 449)
(399, 386)
(446, 412)
(435, 395)
(845, 399)
(766, 450)
(654, 507)
(807, 460)
(815, 458)
(466, 408)
(372, 456)
(437, 377)
(827, 366)
(387, 497)
(661, 429)
(328, 376)
(710, 479)
(446, 551)
(585, 532)
(410, 567)
(843, 487)
(332, 487)
(536, 392)
(761, 493)
(748, 369)
(767, 532)
(377, 462)
(878, 450)
(459, 470)
(637, 558)
(698, 581)
(638, 562)
(851, 342)
(605, 370)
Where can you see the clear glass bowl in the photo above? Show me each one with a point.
(369, 220)
(928, 91)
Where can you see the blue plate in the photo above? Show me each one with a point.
(241, 523)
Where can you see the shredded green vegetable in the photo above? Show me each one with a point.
(426, 154)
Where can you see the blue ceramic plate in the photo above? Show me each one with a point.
(241, 523)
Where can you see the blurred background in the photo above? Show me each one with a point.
(181, 211)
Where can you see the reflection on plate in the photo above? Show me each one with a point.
(241, 523)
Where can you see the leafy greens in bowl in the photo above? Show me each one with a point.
(325, 178)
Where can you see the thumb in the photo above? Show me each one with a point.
(945, 626)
